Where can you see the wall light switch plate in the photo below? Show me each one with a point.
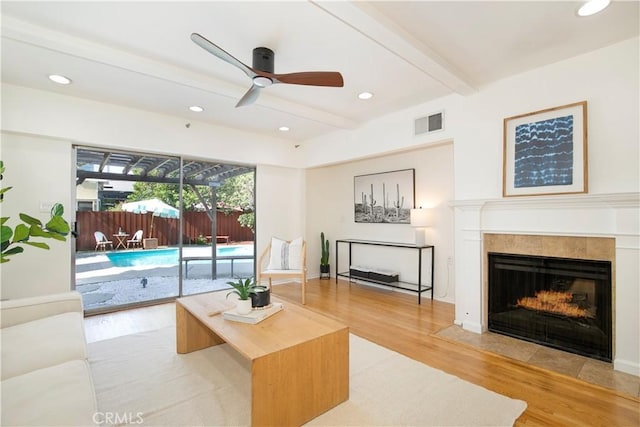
(46, 206)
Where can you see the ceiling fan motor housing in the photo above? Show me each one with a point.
(262, 73)
(263, 59)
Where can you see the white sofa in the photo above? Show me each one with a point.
(45, 373)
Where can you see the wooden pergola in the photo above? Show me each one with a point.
(111, 165)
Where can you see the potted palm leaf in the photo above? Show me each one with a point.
(244, 289)
(27, 233)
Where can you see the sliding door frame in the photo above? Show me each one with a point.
(182, 159)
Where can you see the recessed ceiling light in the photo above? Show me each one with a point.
(592, 7)
(60, 79)
(283, 129)
(365, 95)
(196, 108)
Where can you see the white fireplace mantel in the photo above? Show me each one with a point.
(565, 201)
(615, 215)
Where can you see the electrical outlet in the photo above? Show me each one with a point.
(450, 261)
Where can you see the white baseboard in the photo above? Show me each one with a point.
(472, 327)
(627, 367)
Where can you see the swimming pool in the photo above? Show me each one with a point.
(166, 256)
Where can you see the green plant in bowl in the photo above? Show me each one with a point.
(244, 288)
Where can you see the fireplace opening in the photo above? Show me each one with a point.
(557, 302)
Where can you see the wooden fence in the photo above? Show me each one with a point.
(166, 230)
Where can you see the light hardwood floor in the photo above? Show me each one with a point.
(396, 321)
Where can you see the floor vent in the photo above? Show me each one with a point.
(431, 123)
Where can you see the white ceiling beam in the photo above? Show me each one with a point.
(368, 21)
(25, 32)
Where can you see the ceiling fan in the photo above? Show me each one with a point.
(261, 73)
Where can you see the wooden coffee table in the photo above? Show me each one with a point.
(299, 359)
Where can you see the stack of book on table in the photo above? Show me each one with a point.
(255, 316)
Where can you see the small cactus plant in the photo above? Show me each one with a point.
(324, 259)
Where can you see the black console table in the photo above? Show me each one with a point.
(414, 287)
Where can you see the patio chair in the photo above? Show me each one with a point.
(101, 241)
(284, 260)
(136, 240)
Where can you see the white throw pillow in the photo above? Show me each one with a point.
(285, 255)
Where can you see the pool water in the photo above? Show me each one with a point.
(166, 256)
(234, 250)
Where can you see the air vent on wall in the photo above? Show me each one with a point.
(431, 123)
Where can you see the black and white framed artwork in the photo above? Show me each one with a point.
(386, 197)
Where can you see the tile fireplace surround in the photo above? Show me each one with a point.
(598, 227)
(583, 248)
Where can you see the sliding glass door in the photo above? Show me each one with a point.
(153, 227)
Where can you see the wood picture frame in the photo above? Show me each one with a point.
(545, 152)
(386, 197)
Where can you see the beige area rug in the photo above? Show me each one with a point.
(141, 378)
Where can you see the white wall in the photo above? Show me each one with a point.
(279, 204)
(385, 135)
(38, 169)
(94, 123)
(608, 80)
(330, 209)
(60, 121)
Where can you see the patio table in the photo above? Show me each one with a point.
(121, 240)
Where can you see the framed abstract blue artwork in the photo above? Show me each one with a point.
(545, 152)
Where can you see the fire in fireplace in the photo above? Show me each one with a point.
(563, 303)
(557, 302)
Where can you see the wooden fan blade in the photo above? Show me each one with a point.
(220, 53)
(311, 78)
(249, 97)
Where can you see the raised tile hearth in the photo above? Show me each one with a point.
(580, 367)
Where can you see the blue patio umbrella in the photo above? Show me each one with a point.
(155, 206)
